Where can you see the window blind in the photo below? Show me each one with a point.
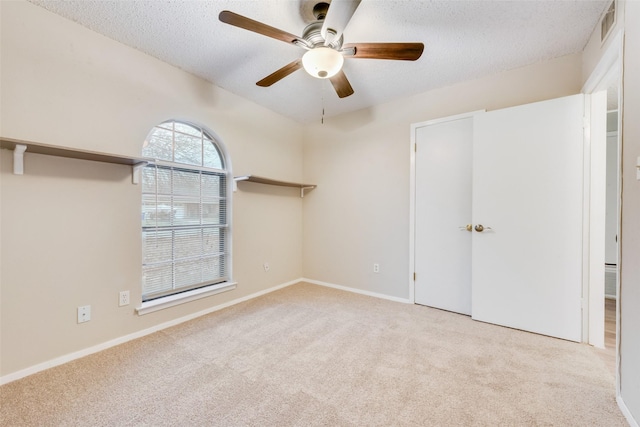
(184, 229)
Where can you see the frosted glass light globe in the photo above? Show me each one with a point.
(322, 62)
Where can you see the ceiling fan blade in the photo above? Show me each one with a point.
(257, 27)
(280, 74)
(341, 84)
(399, 51)
(338, 16)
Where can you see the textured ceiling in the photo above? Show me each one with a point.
(463, 40)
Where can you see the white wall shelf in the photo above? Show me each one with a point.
(268, 181)
(19, 147)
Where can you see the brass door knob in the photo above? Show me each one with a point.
(480, 228)
(467, 227)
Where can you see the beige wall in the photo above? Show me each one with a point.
(630, 239)
(627, 18)
(70, 229)
(359, 214)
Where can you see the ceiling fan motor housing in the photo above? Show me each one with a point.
(313, 36)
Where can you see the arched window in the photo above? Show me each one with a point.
(185, 212)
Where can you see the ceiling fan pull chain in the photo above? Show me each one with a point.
(322, 97)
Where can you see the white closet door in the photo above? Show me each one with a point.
(528, 188)
(443, 205)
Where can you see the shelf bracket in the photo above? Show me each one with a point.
(305, 188)
(18, 159)
(135, 172)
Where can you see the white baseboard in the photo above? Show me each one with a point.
(117, 341)
(625, 411)
(357, 291)
(139, 334)
(112, 343)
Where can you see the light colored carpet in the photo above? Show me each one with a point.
(307, 356)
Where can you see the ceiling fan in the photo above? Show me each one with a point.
(323, 41)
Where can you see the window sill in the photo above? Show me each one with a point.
(173, 300)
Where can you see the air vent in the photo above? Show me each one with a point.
(608, 20)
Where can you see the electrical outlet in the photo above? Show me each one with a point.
(266, 266)
(124, 298)
(84, 313)
(376, 268)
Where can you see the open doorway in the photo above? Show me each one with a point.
(612, 216)
(603, 214)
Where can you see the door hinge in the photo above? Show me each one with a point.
(414, 276)
(415, 147)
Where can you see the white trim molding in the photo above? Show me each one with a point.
(626, 412)
(121, 340)
(139, 334)
(357, 291)
(183, 297)
(608, 70)
(609, 67)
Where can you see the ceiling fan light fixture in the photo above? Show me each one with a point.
(322, 62)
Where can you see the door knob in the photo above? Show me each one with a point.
(480, 228)
(467, 227)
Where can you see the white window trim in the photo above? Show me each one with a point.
(177, 299)
(161, 303)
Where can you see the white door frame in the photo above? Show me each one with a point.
(607, 71)
(594, 217)
(412, 192)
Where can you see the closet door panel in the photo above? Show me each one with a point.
(528, 196)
